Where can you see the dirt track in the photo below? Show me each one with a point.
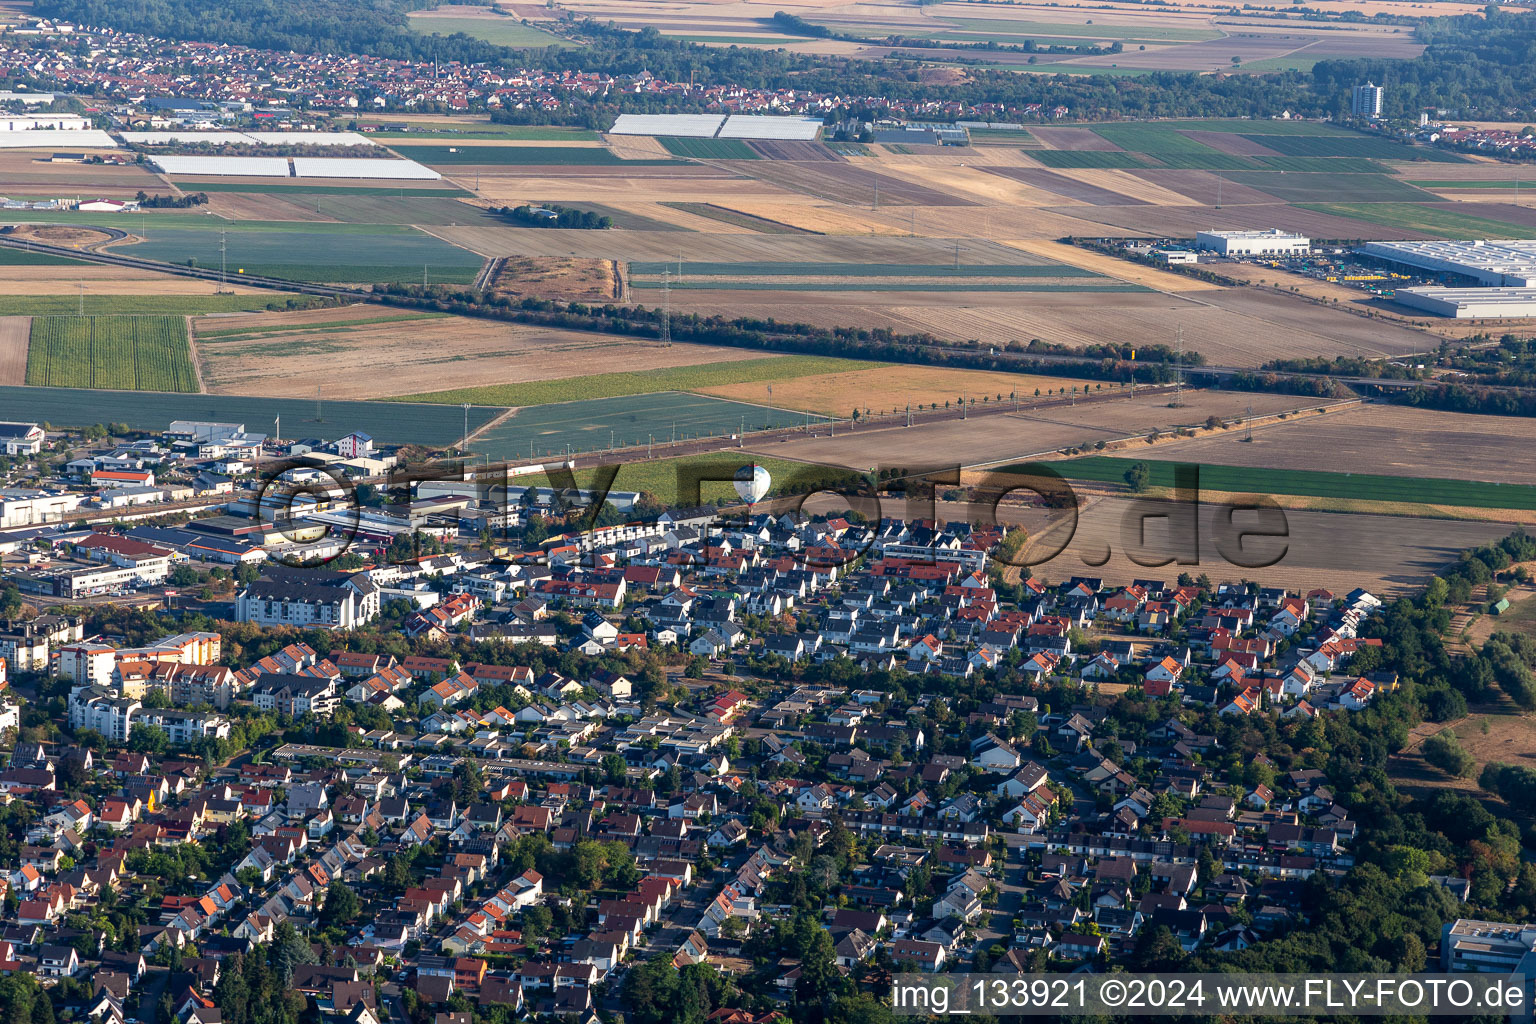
(14, 332)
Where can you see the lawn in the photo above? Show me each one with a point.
(119, 353)
(601, 423)
(1418, 217)
(505, 31)
(387, 422)
(618, 385)
(1086, 158)
(319, 252)
(149, 305)
(532, 156)
(27, 258)
(1322, 188)
(711, 149)
(1314, 483)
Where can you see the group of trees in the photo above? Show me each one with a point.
(564, 217)
(182, 202)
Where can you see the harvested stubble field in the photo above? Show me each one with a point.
(391, 358)
(14, 332)
(1184, 221)
(890, 389)
(1388, 555)
(719, 215)
(998, 438)
(1376, 439)
(573, 278)
(1066, 186)
(100, 279)
(855, 185)
(1323, 188)
(677, 378)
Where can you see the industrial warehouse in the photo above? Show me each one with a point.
(1502, 276)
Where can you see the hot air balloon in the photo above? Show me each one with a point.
(752, 483)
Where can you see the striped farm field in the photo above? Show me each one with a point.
(711, 149)
(1315, 483)
(116, 353)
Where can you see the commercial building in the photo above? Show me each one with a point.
(1365, 101)
(1506, 263)
(23, 507)
(21, 438)
(1469, 303)
(1487, 947)
(1253, 243)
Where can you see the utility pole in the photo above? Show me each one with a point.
(82, 298)
(1218, 193)
(223, 262)
(1249, 437)
(465, 446)
(957, 255)
(319, 417)
(909, 414)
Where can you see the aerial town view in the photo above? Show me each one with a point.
(766, 511)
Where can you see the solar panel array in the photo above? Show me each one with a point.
(687, 126)
(238, 166)
(361, 167)
(43, 138)
(786, 129)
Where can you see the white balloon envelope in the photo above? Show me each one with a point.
(752, 483)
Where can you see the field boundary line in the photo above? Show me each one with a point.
(197, 359)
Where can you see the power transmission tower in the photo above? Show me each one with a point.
(82, 298)
(466, 428)
(1249, 436)
(1178, 371)
(319, 404)
(223, 262)
(666, 307)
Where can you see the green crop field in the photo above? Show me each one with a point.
(598, 424)
(117, 353)
(318, 189)
(150, 305)
(1419, 217)
(1322, 188)
(711, 149)
(433, 212)
(448, 130)
(660, 477)
(309, 327)
(383, 254)
(388, 422)
(1315, 483)
(619, 385)
(1356, 146)
(719, 284)
(1156, 139)
(941, 270)
(1247, 127)
(1472, 185)
(27, 258)
(530, 156)
(1086, 158)
(501, 31)
(996, 27)
(1003, 136)
(1323, 164)
(1210, 160)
